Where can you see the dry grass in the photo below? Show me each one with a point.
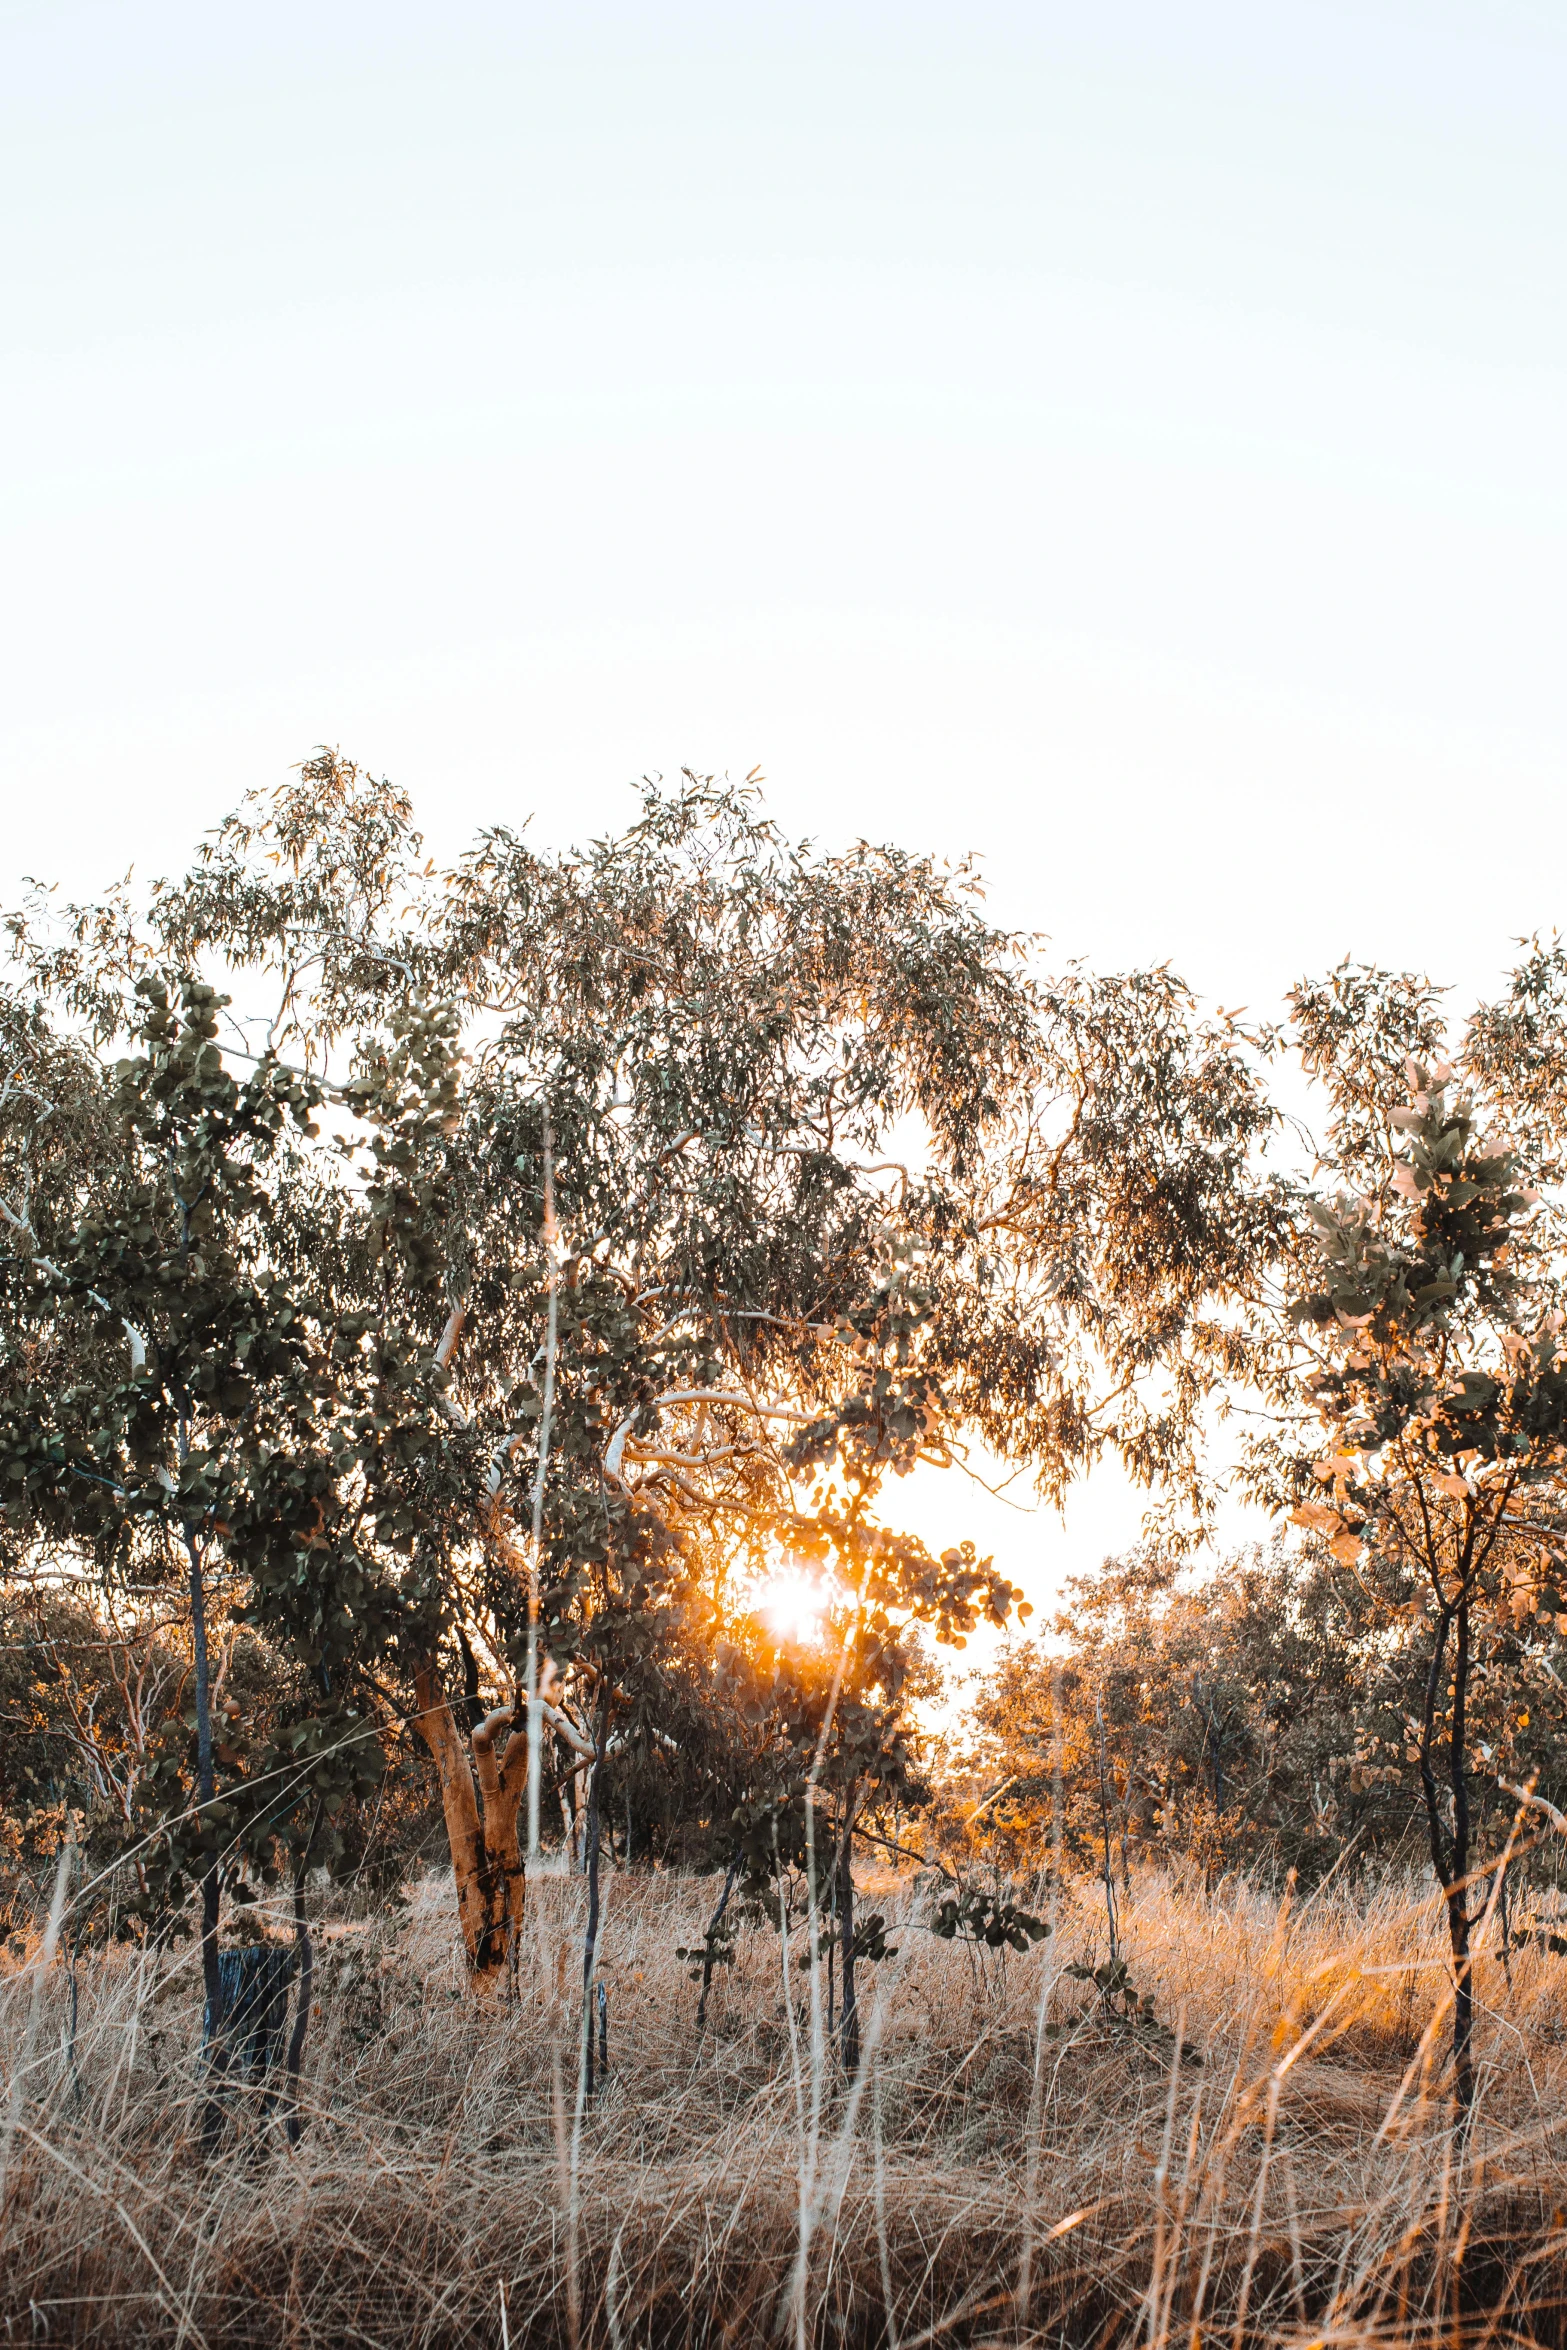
(987, 2184)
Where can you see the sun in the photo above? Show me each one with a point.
(793, 1606)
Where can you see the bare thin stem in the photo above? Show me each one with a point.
(1051, 1976)
(540, 1472)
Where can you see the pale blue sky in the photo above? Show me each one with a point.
(1124, 440)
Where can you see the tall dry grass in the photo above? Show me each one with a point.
(1011, 2166)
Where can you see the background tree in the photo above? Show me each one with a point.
(1239, 1701)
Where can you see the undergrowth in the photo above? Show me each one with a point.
(1013, 2164)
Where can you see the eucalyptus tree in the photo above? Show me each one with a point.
(712, 1181)
(1420, 1383)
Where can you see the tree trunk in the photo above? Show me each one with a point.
(212, 2032)
(1458, 1917)
(1104, 1821)
(849, 2029)
(709, 1939)
(1450, 1856)
(481, 1828)
(579, 1820)
(567, 1832)
(590, 1862)
(305, 1976)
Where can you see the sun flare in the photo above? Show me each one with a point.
(792, 1606)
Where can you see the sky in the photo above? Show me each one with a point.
(1125, 442)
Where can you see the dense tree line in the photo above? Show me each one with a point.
(1252, 1714)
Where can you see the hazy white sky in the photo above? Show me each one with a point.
(1125, 440)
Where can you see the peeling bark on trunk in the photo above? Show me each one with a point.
(481, 1792)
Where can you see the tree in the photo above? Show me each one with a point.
(182, 1407)
(1422, 1388)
